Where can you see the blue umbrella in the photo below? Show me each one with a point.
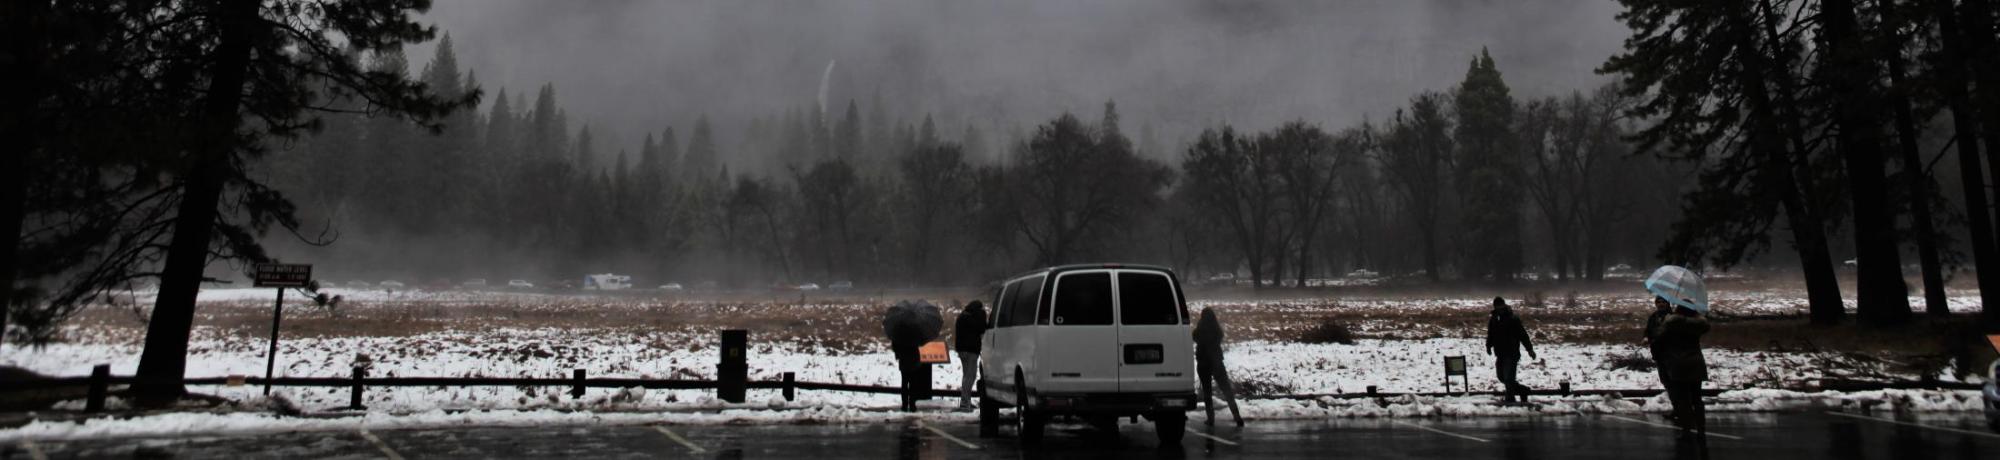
(1679, 286)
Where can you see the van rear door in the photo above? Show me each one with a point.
(1156, 349)
(1081, 338)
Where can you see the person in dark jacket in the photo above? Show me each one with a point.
(1208, 366)
(1661, 310)
(1679, 341)
(971, 324)
(1505, 337)
(905, 342)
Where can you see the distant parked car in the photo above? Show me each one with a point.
(671, 287)
(809, 287)
(1992, 394)
(391, 284)
(358, 284)
(520, 284)
(1363, 273)
(841, 285)
(475, 283)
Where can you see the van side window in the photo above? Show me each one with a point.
(1000, 302)
(1146, 298)
(1083, 299)
(1026, 295)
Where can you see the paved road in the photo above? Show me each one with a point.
(1816, 435)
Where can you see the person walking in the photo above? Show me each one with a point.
(1505, 337)
(1208, 366)
(1683, 366)
(966, 331)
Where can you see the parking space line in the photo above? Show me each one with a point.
(1671, 427)
(391, 453)
(921, 424)
(1918, 425)
(1212, 437)
(677, 438)
(34, 452)
(1438, 431)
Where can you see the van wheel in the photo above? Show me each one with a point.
(989, 413)
(1171, 427)
(1029, 422)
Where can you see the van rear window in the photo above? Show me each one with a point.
(1146, 298)
(1083, 299)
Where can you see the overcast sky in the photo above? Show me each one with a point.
(628, 67)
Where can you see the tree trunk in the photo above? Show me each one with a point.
(1808, 230)
(21, 92)
(1431, 252)
(1978, 55)
(1917, 180)
(1965, 134)
(163, 363)
(1883, 298)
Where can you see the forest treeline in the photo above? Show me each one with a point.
(1491, 187)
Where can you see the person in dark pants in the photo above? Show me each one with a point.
(1208, 366)
(905, 343)
(1685, 369)
(971, 324)
(1505, 337)
(1661, 309)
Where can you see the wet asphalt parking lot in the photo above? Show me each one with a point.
(1813, 435)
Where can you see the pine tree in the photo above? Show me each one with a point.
(586, 153)
(700, 161)
(1486, 171)
(847, 140)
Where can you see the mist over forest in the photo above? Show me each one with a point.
(983, 76)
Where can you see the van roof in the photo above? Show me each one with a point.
(1071, 267)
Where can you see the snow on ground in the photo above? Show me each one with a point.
(1258, 366)
(488, 333)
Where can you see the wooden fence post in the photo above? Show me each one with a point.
(791, 387)
(100, 385)
(355, 390)
(576, 389)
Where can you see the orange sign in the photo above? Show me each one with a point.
(1996, 341)
(933, 353)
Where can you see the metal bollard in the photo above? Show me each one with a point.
(100, 385)
(791, 387)
(576, 389)
(733, 372)
(354, 392)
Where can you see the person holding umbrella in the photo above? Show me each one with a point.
(1678, 343)
(909, 326)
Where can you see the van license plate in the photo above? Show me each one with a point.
(1150, 353)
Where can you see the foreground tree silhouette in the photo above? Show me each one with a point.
(266, 68)
(1723, 95)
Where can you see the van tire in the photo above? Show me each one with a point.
(989, 413)
(1171, 427)
(1029, 421)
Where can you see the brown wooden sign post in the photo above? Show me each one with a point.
(279, 276)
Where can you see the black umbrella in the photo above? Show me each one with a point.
(919, 318)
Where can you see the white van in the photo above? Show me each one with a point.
(1098, 342)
